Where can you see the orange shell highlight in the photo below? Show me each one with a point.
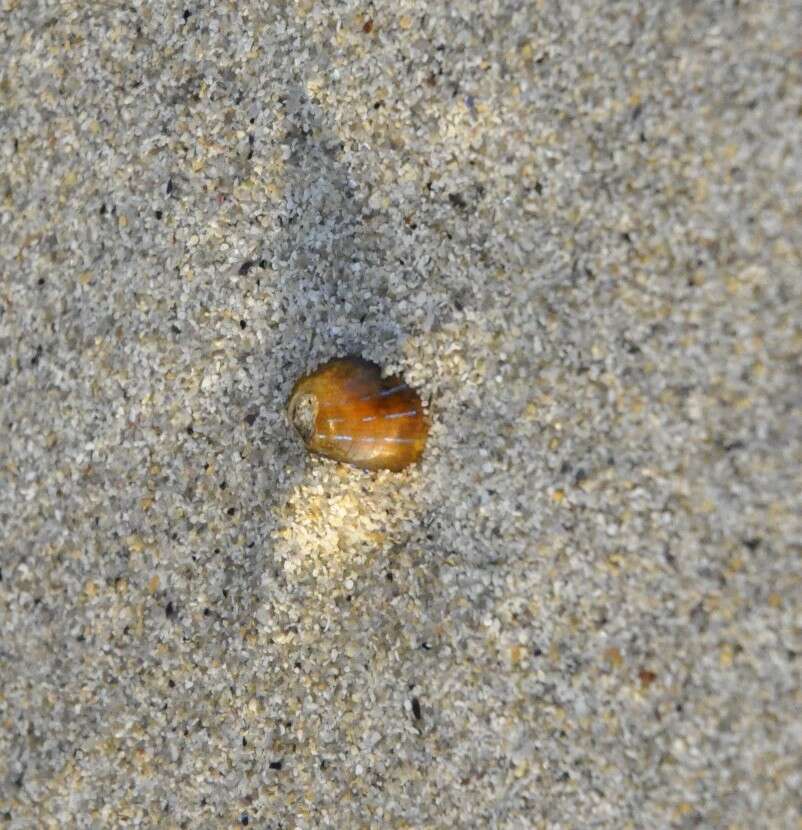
(348, 412)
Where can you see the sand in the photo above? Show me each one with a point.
(575, 228)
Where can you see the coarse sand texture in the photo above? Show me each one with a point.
(574, 228)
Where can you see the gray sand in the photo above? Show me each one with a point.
(575, 227)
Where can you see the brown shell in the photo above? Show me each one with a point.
(347, 411)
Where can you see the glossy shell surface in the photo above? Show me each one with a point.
(347, 411)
